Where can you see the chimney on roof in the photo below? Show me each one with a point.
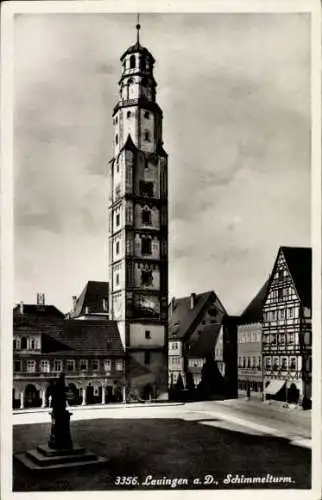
(40, 299)
(21, 307)
(192, 300)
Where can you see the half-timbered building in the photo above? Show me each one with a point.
(287, 330)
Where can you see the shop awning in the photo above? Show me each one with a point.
(274, 386)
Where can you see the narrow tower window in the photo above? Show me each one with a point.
(146, 246)
(132, 62)
(116, 139)
(146, 114)
(128, 114)
(146, 135)
(146, 217)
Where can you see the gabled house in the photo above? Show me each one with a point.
(200, 329)
(92, 303)
(287, 328)
(249, 344)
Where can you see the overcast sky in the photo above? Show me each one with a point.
(234, 89)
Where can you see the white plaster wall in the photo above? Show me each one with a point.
(137, 335)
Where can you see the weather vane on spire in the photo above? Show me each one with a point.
(138, 27)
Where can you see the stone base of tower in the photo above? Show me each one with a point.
(146, 380)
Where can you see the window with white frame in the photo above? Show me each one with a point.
(44, 366)
(275, 363)
(268, 363)
(284, 363)
(83, 364)
(107, 365)
(31, 366)
(119, 365)
(70, 365)
(292, 363)
(57, 365)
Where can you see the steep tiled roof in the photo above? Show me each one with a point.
(61, 336)
(92, 297)
(253, 312)
(183, 319)
(299, 262)
(90, 337)
(203, 347)
(37, 314)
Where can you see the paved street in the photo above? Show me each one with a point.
(187, 441)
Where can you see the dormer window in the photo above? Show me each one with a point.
(132, 62)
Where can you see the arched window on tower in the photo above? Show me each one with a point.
(128, 114)
(132, 62)
(116, 139)
(146, 135)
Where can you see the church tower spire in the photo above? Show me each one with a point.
(138, 225)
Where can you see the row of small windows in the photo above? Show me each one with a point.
(288, 313)
(281, 293)
(146, 135)
(281, 338)
(254, 362)
(129, 114)
(143, 62)
(175, 361)
(26, 343)
(245, 337)
(46, 366)
(280, 363)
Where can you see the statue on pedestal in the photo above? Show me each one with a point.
(60, 437)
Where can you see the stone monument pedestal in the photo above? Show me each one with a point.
(60, 452)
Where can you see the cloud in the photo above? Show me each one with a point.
(234, 89)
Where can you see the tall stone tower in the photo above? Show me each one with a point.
(138, 226)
